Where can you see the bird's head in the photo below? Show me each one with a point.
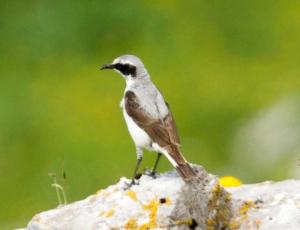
(129, 66)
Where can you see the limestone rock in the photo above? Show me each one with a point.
(265, 206)
(166, 202)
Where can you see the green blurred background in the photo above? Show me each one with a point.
(229, 69)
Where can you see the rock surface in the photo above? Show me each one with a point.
(170, 203)
(166, 202)
(265, 206)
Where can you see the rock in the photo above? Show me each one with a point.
(162, 203)
(265, 206)
(170, 203)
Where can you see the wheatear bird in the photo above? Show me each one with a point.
(148, 116)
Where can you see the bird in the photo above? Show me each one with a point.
(148, 117)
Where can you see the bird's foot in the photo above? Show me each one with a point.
(134, 181)
(150, 173)
(130, 184)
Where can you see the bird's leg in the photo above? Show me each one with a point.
(139, 154)
(153, 171)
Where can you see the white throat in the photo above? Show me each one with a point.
(130, 82)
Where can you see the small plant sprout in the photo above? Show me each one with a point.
(60, 192)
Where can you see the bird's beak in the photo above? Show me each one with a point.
(107, 66)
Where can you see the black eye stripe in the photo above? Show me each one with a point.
(118, 66)
(126, 69)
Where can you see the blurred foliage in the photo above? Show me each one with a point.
(217, 63)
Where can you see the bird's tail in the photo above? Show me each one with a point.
(183, 167)
(186, 171)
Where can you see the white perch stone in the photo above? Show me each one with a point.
(170, 203)
(162, 203)
(266, 206)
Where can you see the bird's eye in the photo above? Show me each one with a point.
(126, 69)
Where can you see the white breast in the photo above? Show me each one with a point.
(139, 136)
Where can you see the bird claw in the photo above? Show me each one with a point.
(150, 173)
(129, 185)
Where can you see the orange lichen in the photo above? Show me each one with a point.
(257, 223)
(132, 195)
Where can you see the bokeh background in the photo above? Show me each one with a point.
(229, 69)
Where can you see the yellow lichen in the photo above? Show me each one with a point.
(131, 224)
(168, 201)
(243, 217)
(184, 222)
(144, 227)
(152, 207)
(227, 197)
(219, 208)
(132, 195)
(229, 181)
(234, 225)
(210, 222)
(110, 213)
(246, 206)
(216, 190)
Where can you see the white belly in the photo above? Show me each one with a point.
(139, 136)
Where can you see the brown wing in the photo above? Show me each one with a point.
(163, 132)
(171, 127)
